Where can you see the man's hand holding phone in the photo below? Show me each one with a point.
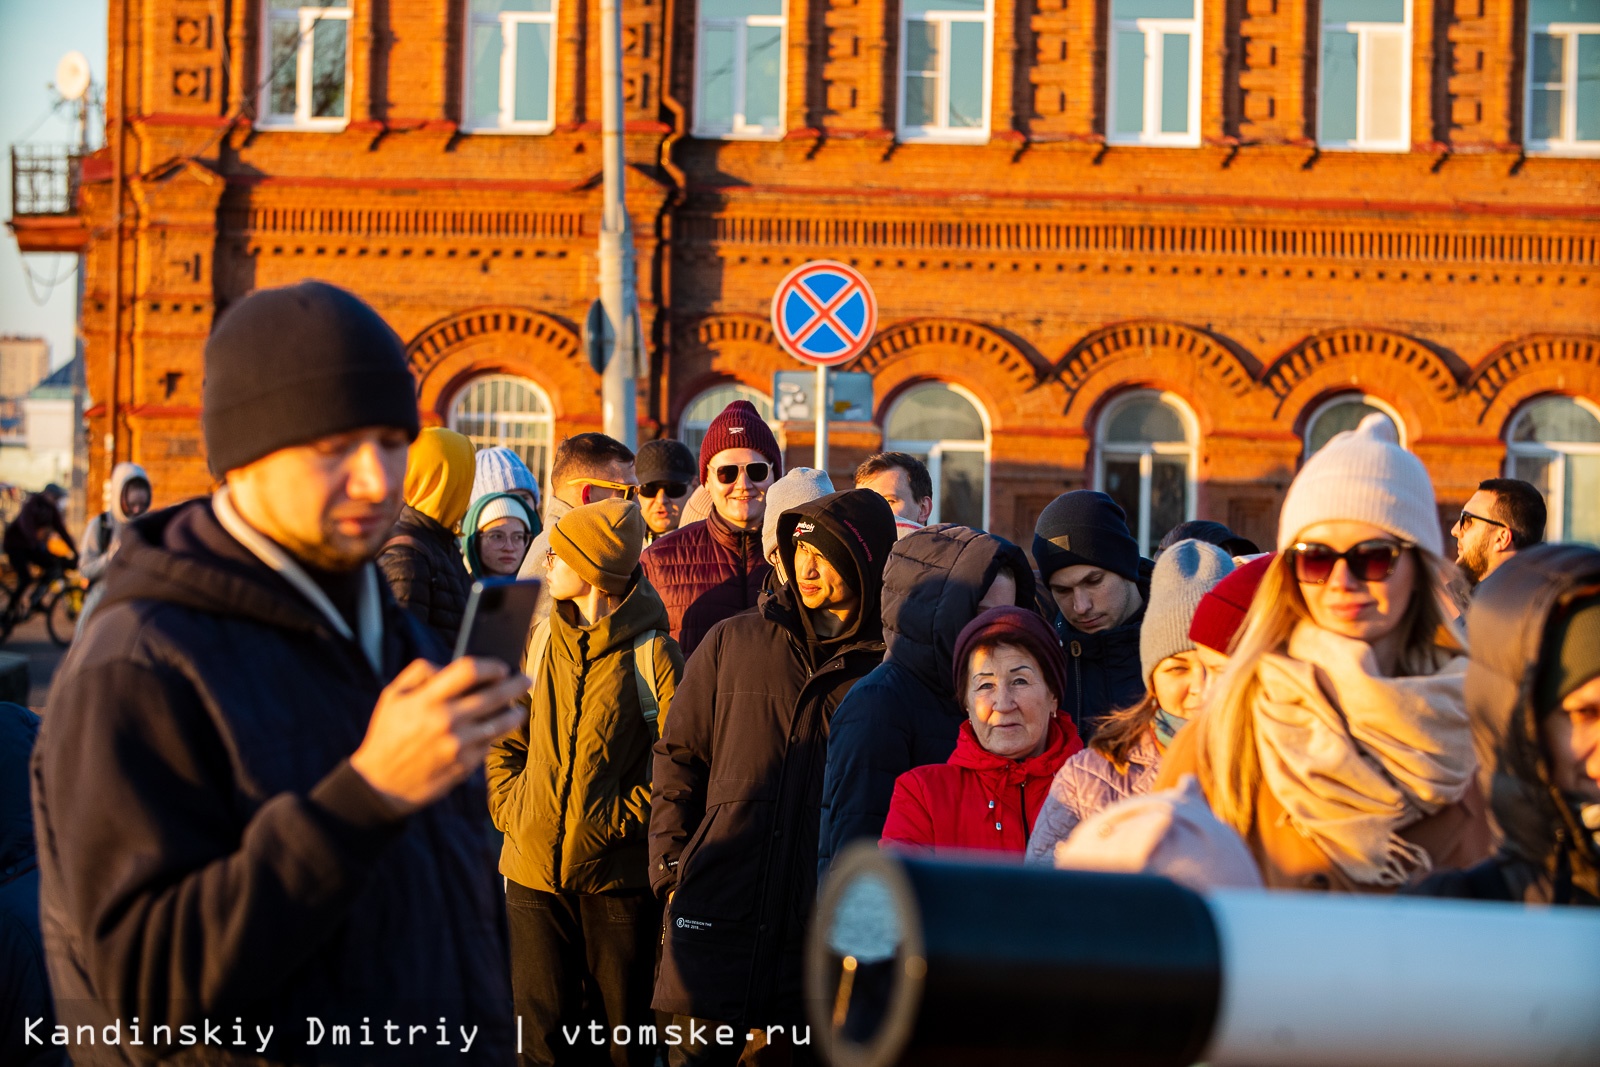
(433, 727)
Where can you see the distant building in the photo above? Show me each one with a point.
(43, 453)
(24, 361)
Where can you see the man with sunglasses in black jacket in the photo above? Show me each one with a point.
(668, 475)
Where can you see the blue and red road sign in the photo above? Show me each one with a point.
(824, 313)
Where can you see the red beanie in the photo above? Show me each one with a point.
(1013, 626)
(739, 425)
(1221, 612)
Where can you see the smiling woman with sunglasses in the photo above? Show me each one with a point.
(1338, 741)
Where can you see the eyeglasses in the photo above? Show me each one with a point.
(1467, 516)
(672, 489)
(728, 473)
(508, 538)
(628, 491)
(1370, 561)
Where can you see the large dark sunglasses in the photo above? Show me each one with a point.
(728, 473)
(1370, 561)
(1467, 516)
(651, 490)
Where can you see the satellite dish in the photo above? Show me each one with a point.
(72, 75)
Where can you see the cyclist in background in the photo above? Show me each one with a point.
(28, 538)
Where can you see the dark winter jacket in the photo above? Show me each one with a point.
(1548, 855)
(206, 849)
(422, 562)
(1103, 672)
(571, 788)
(705, 572)
(738, 781)
(25, 987)
(905, 713)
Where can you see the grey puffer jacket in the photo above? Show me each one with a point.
(1085, 784)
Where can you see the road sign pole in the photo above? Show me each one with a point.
(821, 460)
(618, 288)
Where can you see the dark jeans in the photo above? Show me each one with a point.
(700, 1048)
(579, 959)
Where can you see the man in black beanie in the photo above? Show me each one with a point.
(260, 804)
(1089, 561)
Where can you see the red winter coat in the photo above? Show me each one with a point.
(977, 800)
(705, 572)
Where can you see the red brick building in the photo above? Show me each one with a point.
(1163, 247)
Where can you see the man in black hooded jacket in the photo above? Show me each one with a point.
(260, 808)
(905, 713)
(738, 781)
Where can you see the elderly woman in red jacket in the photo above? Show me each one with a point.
(1010, 676)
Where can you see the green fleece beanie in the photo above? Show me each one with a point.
(1571, 654)
(602, 542)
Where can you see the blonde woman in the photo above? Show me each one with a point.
(1337, 742)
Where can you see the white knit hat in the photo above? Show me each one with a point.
(506, 507)
(1363, 475)
(1184, 573)
(800, 485)
(501, 470)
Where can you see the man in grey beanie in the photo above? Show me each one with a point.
(257, 795)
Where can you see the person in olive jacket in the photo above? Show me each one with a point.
(738, 781)
(571, 791)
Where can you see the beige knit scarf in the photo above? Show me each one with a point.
(1354, 757)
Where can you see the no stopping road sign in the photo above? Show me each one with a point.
(824, 313)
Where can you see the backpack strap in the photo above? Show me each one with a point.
(538, 643)
(644, 674)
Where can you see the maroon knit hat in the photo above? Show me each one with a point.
(1222, 611)
(1013, 626)
(739, 426)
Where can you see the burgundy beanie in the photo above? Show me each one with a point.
(1221, 612)
(739, 425)
(1013, 626)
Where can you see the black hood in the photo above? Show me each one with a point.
(1506, 626)
(19, 728)
(863, 523)
(931, 588)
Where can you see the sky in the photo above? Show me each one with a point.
(34, 35)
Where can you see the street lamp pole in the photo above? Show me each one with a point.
(621, 334)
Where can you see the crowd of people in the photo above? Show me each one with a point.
(263, 793)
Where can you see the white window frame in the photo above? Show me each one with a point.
(761, 401)
(1352, 397)
(302, 119)
(740, 129)
(547, 418)
(1154, 31)
(1553, 452)
(1364, 32)
(1568, 143)
(508, 22)
(1146, 454)
(936, 449)
(939, 132)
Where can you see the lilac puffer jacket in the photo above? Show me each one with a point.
(1085, 784)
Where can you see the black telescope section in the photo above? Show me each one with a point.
(934, 962)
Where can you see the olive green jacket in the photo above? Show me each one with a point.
(571, 788)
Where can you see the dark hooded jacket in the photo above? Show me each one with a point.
(423, 565)
(206, 848)
(1103, 672)
(905, 713)
(738, 782)
(25, 990)
(1547, 856)
(705, 572)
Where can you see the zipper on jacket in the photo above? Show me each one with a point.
(1077, 680)
(572, 759)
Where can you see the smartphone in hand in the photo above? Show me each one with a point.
(497, 620)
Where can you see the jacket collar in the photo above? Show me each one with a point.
(732, 538)
(1062, 742)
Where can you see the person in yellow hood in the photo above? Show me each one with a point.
(421, 560)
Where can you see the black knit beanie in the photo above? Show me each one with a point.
(1571, 655)
(287, 366)
(1085, 527)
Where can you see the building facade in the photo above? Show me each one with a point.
(1160, 247)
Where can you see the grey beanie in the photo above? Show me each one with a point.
(1184, 574)
(801, 485)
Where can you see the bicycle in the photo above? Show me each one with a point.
(58, 595)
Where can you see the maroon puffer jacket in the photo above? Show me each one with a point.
(705, 572)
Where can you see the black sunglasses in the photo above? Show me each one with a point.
(651, 490)
(1370, 561)
(728, 473)
(1467, 516)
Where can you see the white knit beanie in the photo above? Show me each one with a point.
(800, 485)
(501, 470)
(1184, 573)
(1363, 475)
(503, 508)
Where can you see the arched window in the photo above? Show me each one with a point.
(1145, 462)
(944, 426)
(1554, 443)
(499, 409)
(1345, 412)
(696, 418)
